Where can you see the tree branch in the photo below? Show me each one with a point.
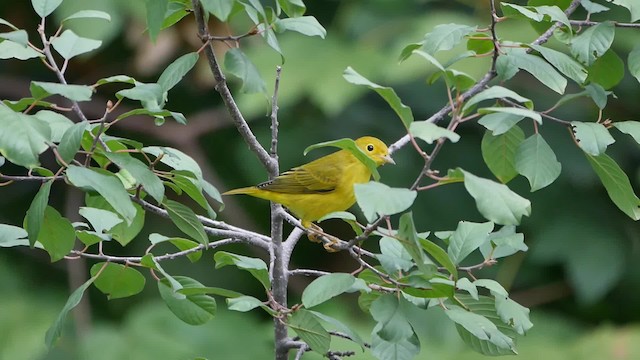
(478, 87)
(171, 256)
(222, 88)
(242, 235)
(594, 23)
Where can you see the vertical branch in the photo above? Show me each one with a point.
(279, 264)
(221, 86)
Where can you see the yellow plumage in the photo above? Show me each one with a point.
(322, 186)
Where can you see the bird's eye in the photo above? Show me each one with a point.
(369, 147)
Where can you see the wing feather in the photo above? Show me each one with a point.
(312, 178)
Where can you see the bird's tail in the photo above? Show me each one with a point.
(245, 190)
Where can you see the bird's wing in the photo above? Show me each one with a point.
(311, 178)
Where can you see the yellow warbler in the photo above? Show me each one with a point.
(322, 186)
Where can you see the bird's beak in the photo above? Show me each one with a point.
(388, 160)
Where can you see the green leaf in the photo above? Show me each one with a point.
(326, 287)
(194, 309)
(513, 314)
(156, 9)
(306, 25)
(504, 242)
(467, 238)
(22, 137)
(244, 303)
(539, 68)
(455, 79)
(57, 235)
(480, 327)
(123, 232)
(116, 79)
(593, 138)
(445, 37)
(117, 281)
(617, 184)
(499, 122)
(178, 160)
(177, 70)
(431, 132)
(593, 8)
(150, 181)
(17, 36)
(70, 141)
(480, 46)
(107, 185)
(307, 326)
(607, 71)
(497, 92)
(408, 237)
(221, 9)
(14, 236)
(293, 8)
(35, 215)
(186, 220)
(88, 14)
(388, 94)
(70, 45)
(151, 96)
(13, 50)
(340, 327)
(514, 111)
(210, 290)
(55, 330)
(351, 146)
(150, 261)
(499, 153)
(466, 285)
(629, 127)
(485, 306)
(45, 7)
(255, 267)
(376, 199)
(633, 62)
(517, 11)
(101, 220)
(42, 90)
(57, 122)
(401, 350)
(496, 202)
(593, 42)
(493, 286)
(632, 6)
(190, 185)
(537, 162)
(181, 243)
(393, 256)
(388, 311)
(597, 94)
(564, 63)
(441, 256)
(240, 66)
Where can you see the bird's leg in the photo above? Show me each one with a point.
(315, 233)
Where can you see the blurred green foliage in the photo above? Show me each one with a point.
(580, 277)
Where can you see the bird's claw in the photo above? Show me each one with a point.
(315, 234)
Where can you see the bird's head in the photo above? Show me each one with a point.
(375, 149)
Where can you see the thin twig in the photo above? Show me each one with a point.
(230, 103)
(135, 260)
(242, 235)
(594, 23)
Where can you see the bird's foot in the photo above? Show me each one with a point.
(316, 234)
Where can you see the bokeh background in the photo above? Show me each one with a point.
(580, 278)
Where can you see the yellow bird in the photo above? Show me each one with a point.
(325, 185)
